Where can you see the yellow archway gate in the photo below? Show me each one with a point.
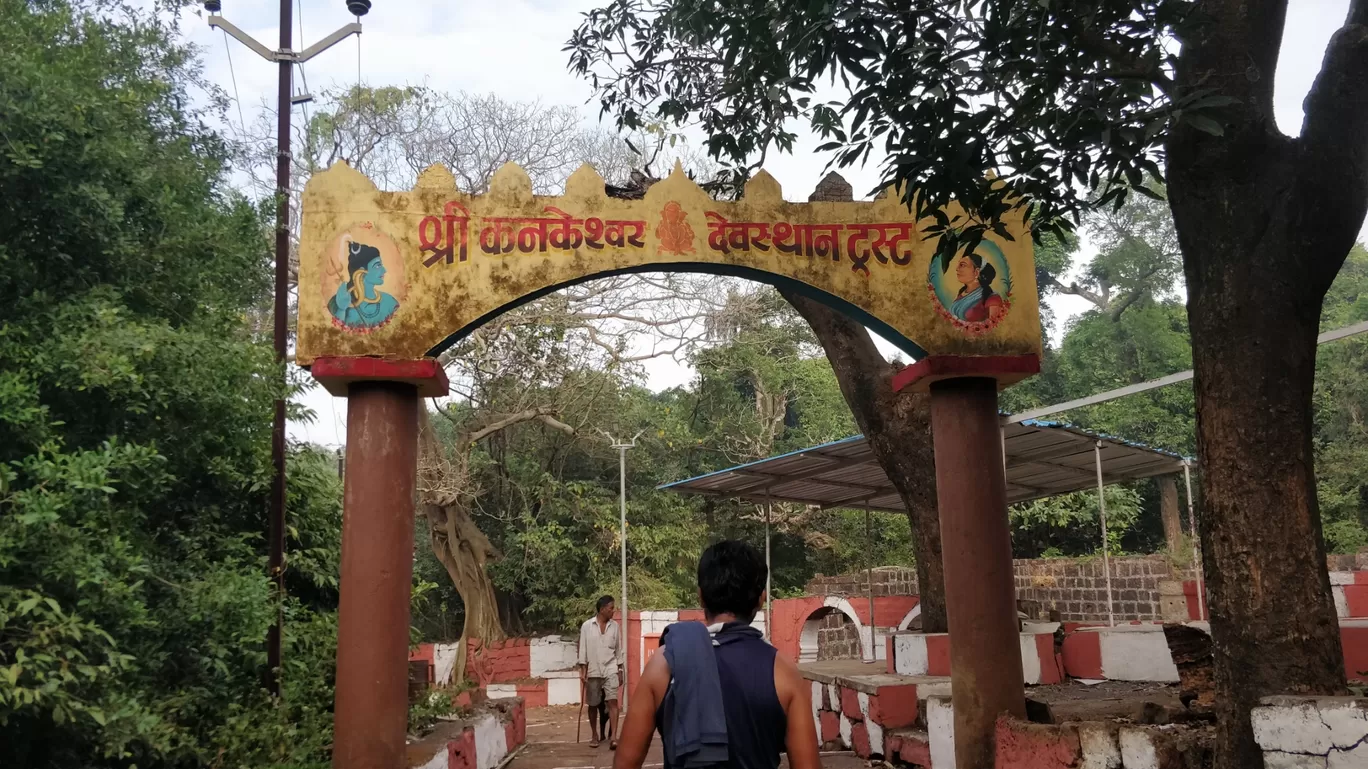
(388, 280)
(448, 261)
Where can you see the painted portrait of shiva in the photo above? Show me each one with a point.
(976, 302)
(359, 304)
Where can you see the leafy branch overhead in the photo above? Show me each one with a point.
(1069, 103)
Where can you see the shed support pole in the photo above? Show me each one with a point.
(1196, 555)
(769, 575)
(869, 582)
(971, 496)
(1106, 549)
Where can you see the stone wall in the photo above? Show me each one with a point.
(1076, 588)
(838, 638)
(888, 580)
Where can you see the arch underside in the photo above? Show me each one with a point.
(836, 303)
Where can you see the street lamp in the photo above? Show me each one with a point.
(622, 447)
(287, 57)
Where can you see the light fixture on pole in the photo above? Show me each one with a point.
(286, 57)
(622, 447)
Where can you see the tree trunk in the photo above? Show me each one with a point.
(1168, 512)
(1264, 221)
(898, 428)
(464, 551)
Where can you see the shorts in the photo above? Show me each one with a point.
(599, 690)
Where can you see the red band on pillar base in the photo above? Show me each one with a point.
(1006, 369)
(336, 374)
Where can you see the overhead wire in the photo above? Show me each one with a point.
(303, 76)
(242, 121)
(253, 195)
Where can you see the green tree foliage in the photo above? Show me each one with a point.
(134, 422)
(1136, 330)
(548, 499)
(1056, 100)
(1342, 411)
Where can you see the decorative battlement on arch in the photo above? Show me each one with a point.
(403, 274)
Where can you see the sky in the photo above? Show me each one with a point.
(512, 48)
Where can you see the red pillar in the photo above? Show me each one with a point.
(371, 705)
(980, 597)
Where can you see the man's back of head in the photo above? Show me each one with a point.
(731, 580)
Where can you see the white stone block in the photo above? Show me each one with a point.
(1341, 603)
(940, 731)
(1139, 654)
(1347, 720)
(909, 655)
(501, 691)
(1278, 760)
(491, 742)
(1137, 749)
(1030, 659)
(1099, 746)
(1309, 725)
(1341, 577)
(1357, 758)
(846, 727)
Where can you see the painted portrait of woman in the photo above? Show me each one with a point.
(359, 304)
(973, 290)
(976, 302)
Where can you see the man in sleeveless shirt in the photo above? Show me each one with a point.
(766, 701)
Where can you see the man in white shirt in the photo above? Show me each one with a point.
(601, 666)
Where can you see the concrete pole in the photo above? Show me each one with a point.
(371, 705)
(769, 575)
(622, 523)
(869, 581)
(1102, 513)
(1196, 556)
(971, 495)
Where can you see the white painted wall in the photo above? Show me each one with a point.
(563, 691)
(552, 653)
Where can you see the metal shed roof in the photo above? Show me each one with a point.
(1043, 459)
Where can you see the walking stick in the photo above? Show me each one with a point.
(579, 720)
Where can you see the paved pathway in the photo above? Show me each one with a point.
(551, 745)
